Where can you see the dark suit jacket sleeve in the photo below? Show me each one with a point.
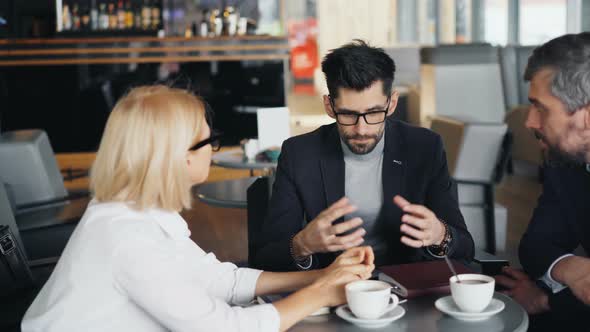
(441, 199)
(283, 220)
(550, 234)
(568, 312)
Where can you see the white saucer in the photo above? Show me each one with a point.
(344, 312)
(447, 305)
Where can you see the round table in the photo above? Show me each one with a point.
(228, 193)
(421, 315)
(234, 158)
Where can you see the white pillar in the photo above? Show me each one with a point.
(446, 22)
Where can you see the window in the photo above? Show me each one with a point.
(541, 20)
(496, 22)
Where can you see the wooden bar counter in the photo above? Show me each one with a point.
(116, 50)
(68, 86)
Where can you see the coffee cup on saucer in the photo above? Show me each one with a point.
(250, 148)
(472, 292)
(370, 299)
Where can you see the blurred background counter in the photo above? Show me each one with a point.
(68, 86)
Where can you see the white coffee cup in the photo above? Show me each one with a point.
(370, 299)
(250, 149)
(473, 293)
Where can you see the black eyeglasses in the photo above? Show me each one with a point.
(213, 140)
(347, 118)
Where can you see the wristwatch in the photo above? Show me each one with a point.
(302, 263)
(442, 249)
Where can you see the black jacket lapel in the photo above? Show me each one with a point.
(393, 167)
(332, 168)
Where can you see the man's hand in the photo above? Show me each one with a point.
(420, 225)
(320, 235)
(574, 271)
(523, 290)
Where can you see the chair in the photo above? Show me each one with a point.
(461, 81)
(513, 61)
(258, 198)
(407, 59)
(477, 154)
(20, 278)
(28, 165)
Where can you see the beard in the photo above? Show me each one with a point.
(555, 155)
(363, 148)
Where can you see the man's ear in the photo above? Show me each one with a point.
(393, 102)
(586, 114)
(328, 107)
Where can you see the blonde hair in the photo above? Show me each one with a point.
(142, 155)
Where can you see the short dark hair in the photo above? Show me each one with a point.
(569, 56)
(357, 66)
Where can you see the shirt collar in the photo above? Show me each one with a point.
(171, 222)
(588, 168)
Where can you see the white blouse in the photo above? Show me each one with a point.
(128, 270)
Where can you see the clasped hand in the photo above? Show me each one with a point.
(353, 264)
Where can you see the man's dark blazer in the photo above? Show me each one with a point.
(310, 178)
(560, 223)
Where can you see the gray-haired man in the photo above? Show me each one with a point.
(559, 73)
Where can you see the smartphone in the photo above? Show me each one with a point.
(493, 267)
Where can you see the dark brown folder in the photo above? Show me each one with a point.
(424, 278)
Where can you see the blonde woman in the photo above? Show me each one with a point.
(130, 264)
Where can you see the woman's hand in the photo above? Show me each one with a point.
(358, 255)
(327, 285)
(354, 264)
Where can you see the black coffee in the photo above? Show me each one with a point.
(473, 282)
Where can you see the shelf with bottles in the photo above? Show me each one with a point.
(108, 17)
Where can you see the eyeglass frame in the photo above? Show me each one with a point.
(358, 115)
(215, 136)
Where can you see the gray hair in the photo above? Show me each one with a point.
(569, 56)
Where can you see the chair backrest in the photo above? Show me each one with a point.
(258, 197)
(461, 81)
(407, 60)
(474, 149)
(513, 61)
(28, 165)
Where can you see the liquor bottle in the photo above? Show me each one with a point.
(85, 18)
(230, 21)
(128, 15)
(103, 17)
(204, 25)
(93, 16)
(137, 17)
(188, 31)
(66, 17)
(155, 22)
(146, 15)
(120, 15)
(112, 16)
(75, 17)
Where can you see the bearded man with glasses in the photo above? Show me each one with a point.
(364, 179)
